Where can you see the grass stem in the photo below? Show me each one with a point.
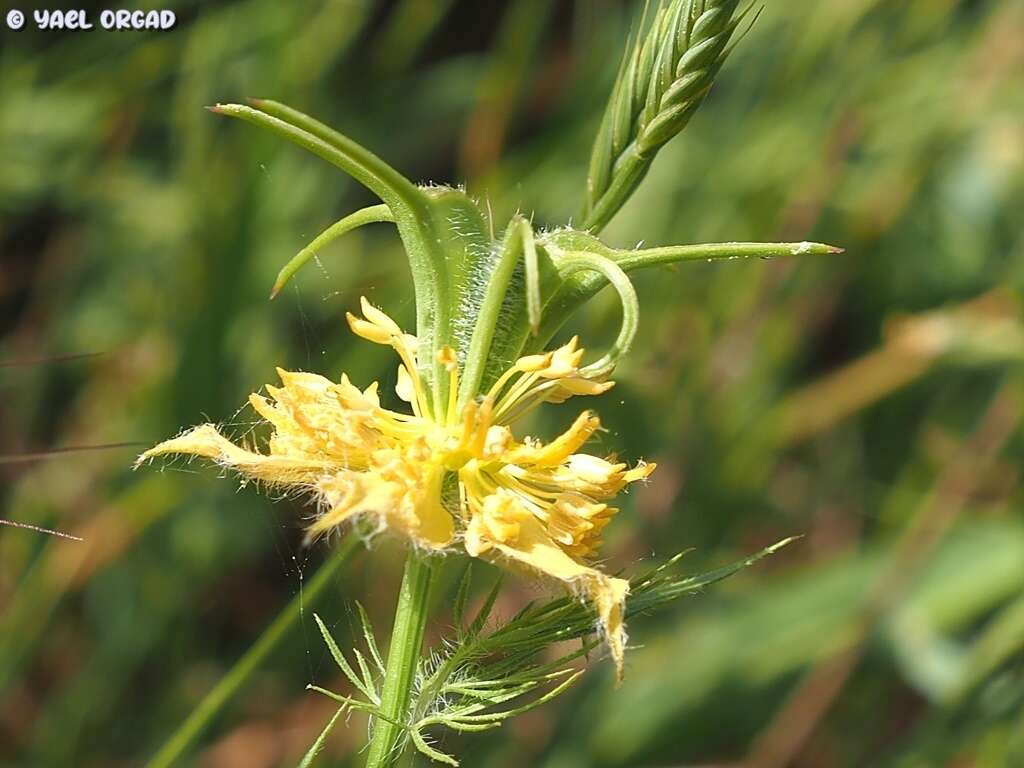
(192, 728)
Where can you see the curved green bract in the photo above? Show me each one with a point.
(573, 292)
(369, 215)
(407, 203)
(488, 316)
(582, 261)
(363, 165)
(442, 229)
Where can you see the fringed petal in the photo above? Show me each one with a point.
(401, 491)
(207, 442)
(505, 529)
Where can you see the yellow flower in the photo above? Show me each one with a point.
(441, 479)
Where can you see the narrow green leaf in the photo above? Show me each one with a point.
(429, 751)
(462, 596)
(659, 594)
(367, 677)
(318, 745)
(340, 660)
(348, 701)
(484, 613)
(369, 215)
(371, 639)
(497, 717)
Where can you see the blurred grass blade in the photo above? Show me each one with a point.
(192, 728)
(39, 529)
(47, 360)
(19, 458)
(998, 644)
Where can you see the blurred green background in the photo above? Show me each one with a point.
(870, 401)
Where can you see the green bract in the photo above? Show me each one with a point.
(489, 300)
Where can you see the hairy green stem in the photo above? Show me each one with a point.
(674, 254)
(192, 728)
(403, 658)
(571, 295)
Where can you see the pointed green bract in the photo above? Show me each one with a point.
(574, 291)
(563, 291)
(493, 301)
(486, 315)
(485, 676)
(369, 215)
(443, 230)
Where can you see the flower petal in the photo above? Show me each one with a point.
(378, 317)
(521, 538)
(404, 387)
(367, 330)
(559, 449)
(400, 490)
(207, 442)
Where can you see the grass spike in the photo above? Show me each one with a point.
(669, 68)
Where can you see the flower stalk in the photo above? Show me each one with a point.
(386, 744)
